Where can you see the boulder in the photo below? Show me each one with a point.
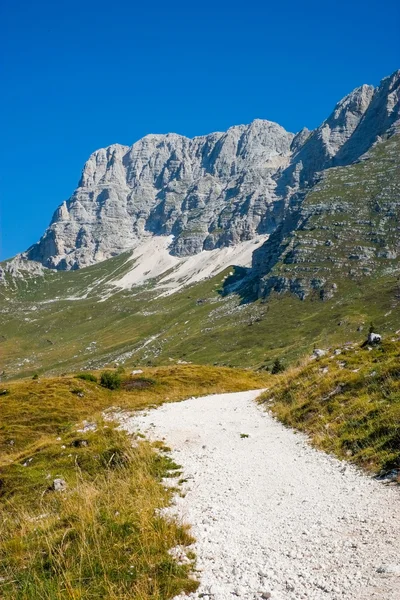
(374, 338)
(318, 353)
(59, 485)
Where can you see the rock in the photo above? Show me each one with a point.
(393, 569)
(59, 485)
(197, 189)
(136, 372)
(214, 191)
(392, 476)
(374, 338)
(240, 591)
(80, 443)
(382, 114)
(87, 426)
(330, 205)
(318, 353)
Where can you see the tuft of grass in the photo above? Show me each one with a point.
(103, 536)
(348, 403)
(87, 377)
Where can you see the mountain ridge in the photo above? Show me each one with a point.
(326, 268)
(209, 191)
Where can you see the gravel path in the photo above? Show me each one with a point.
(274, 518)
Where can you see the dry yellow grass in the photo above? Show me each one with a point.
(103, 537)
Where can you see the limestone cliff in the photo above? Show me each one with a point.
(210, 191)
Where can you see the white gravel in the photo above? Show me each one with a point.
(270, 514)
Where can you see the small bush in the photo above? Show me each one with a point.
(87, 377)
(110, 380)
(277, 367)
(35, 376)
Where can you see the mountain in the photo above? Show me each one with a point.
(210, 191)
(346, 228)
(306, 250)
(327, 275)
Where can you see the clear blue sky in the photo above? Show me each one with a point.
(79, 75)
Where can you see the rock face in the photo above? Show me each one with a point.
(346, 227)
(210, 191)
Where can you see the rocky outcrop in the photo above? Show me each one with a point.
(319, 149)
(20, 267)
(382, 116)
(211, 191)
(346, 227)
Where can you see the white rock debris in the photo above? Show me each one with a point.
(274, 518)
(152, 259)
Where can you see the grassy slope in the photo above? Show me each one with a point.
(57, 336)
(52, 321)
(103, 536)
(352, 227)
(349, 404)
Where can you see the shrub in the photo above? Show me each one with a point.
(87, 377)
(110, 380)
(35, 376)
(277, 367)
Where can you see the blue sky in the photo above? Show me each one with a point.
(81, 75)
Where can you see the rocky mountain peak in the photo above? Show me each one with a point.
(208, 191)
(382, 114)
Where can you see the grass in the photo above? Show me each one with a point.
(348, 404)
(64, 321)
(220, 330)
(87, 377)
(103, 537)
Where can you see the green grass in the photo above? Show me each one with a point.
(102, 537)
(63, 321)
(349, 404)
(348, 227)
(220, 330)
